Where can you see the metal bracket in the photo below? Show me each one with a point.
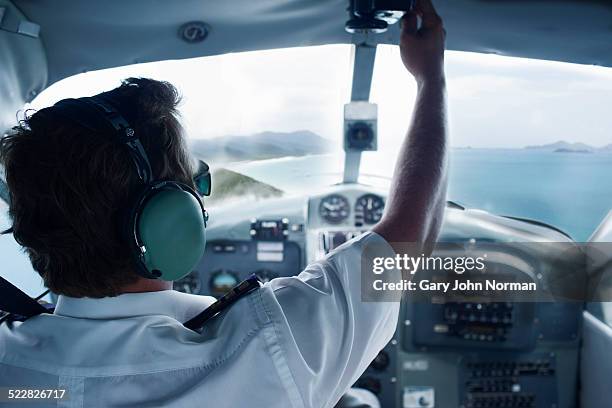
(364, 55)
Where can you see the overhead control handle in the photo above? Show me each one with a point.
(375, 15)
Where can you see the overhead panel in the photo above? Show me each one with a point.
(89, 35)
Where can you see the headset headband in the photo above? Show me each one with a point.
(123, 132)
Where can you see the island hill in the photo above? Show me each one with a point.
(566, 147)
(228, 184)
(261, 146)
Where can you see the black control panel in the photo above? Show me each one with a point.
(514, 381)
(490, 326)
(479, 321)
(496, 325)
(490, 355)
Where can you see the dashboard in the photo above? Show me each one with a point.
(279, 237)
(444, 354)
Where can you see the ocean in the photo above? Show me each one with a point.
(572, 191)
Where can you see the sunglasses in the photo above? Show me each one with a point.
(202, 179)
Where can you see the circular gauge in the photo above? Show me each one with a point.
(369, 209)
(222, 282)
(188, 284)
(266, 275)
(334, 208)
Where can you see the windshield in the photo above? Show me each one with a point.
(528, 137)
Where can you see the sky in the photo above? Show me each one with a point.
(494, 101)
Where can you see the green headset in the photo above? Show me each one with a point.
(164, 223)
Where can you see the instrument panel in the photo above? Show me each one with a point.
(463, 355)
(228, 262)
(367, 209)
(348, 207)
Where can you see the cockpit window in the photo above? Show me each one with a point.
(529, 138)
(247, 109)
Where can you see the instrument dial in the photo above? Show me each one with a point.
(223, 281)
(334, 208)
(369, 209)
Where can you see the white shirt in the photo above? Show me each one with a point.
(296, 342)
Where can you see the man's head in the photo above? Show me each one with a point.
(68, 186)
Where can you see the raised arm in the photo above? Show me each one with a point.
(418, 189)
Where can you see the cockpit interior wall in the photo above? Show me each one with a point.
(23, 64)
(89, 35)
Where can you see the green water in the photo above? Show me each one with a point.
(571, 191)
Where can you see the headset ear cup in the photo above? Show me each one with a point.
(170, 226)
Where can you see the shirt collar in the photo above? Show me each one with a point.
(177, 305)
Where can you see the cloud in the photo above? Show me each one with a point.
(494, 101)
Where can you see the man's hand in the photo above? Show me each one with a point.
(422, 49)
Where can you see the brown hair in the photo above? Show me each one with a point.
(68, 186)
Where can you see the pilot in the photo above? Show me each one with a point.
(116, 337)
